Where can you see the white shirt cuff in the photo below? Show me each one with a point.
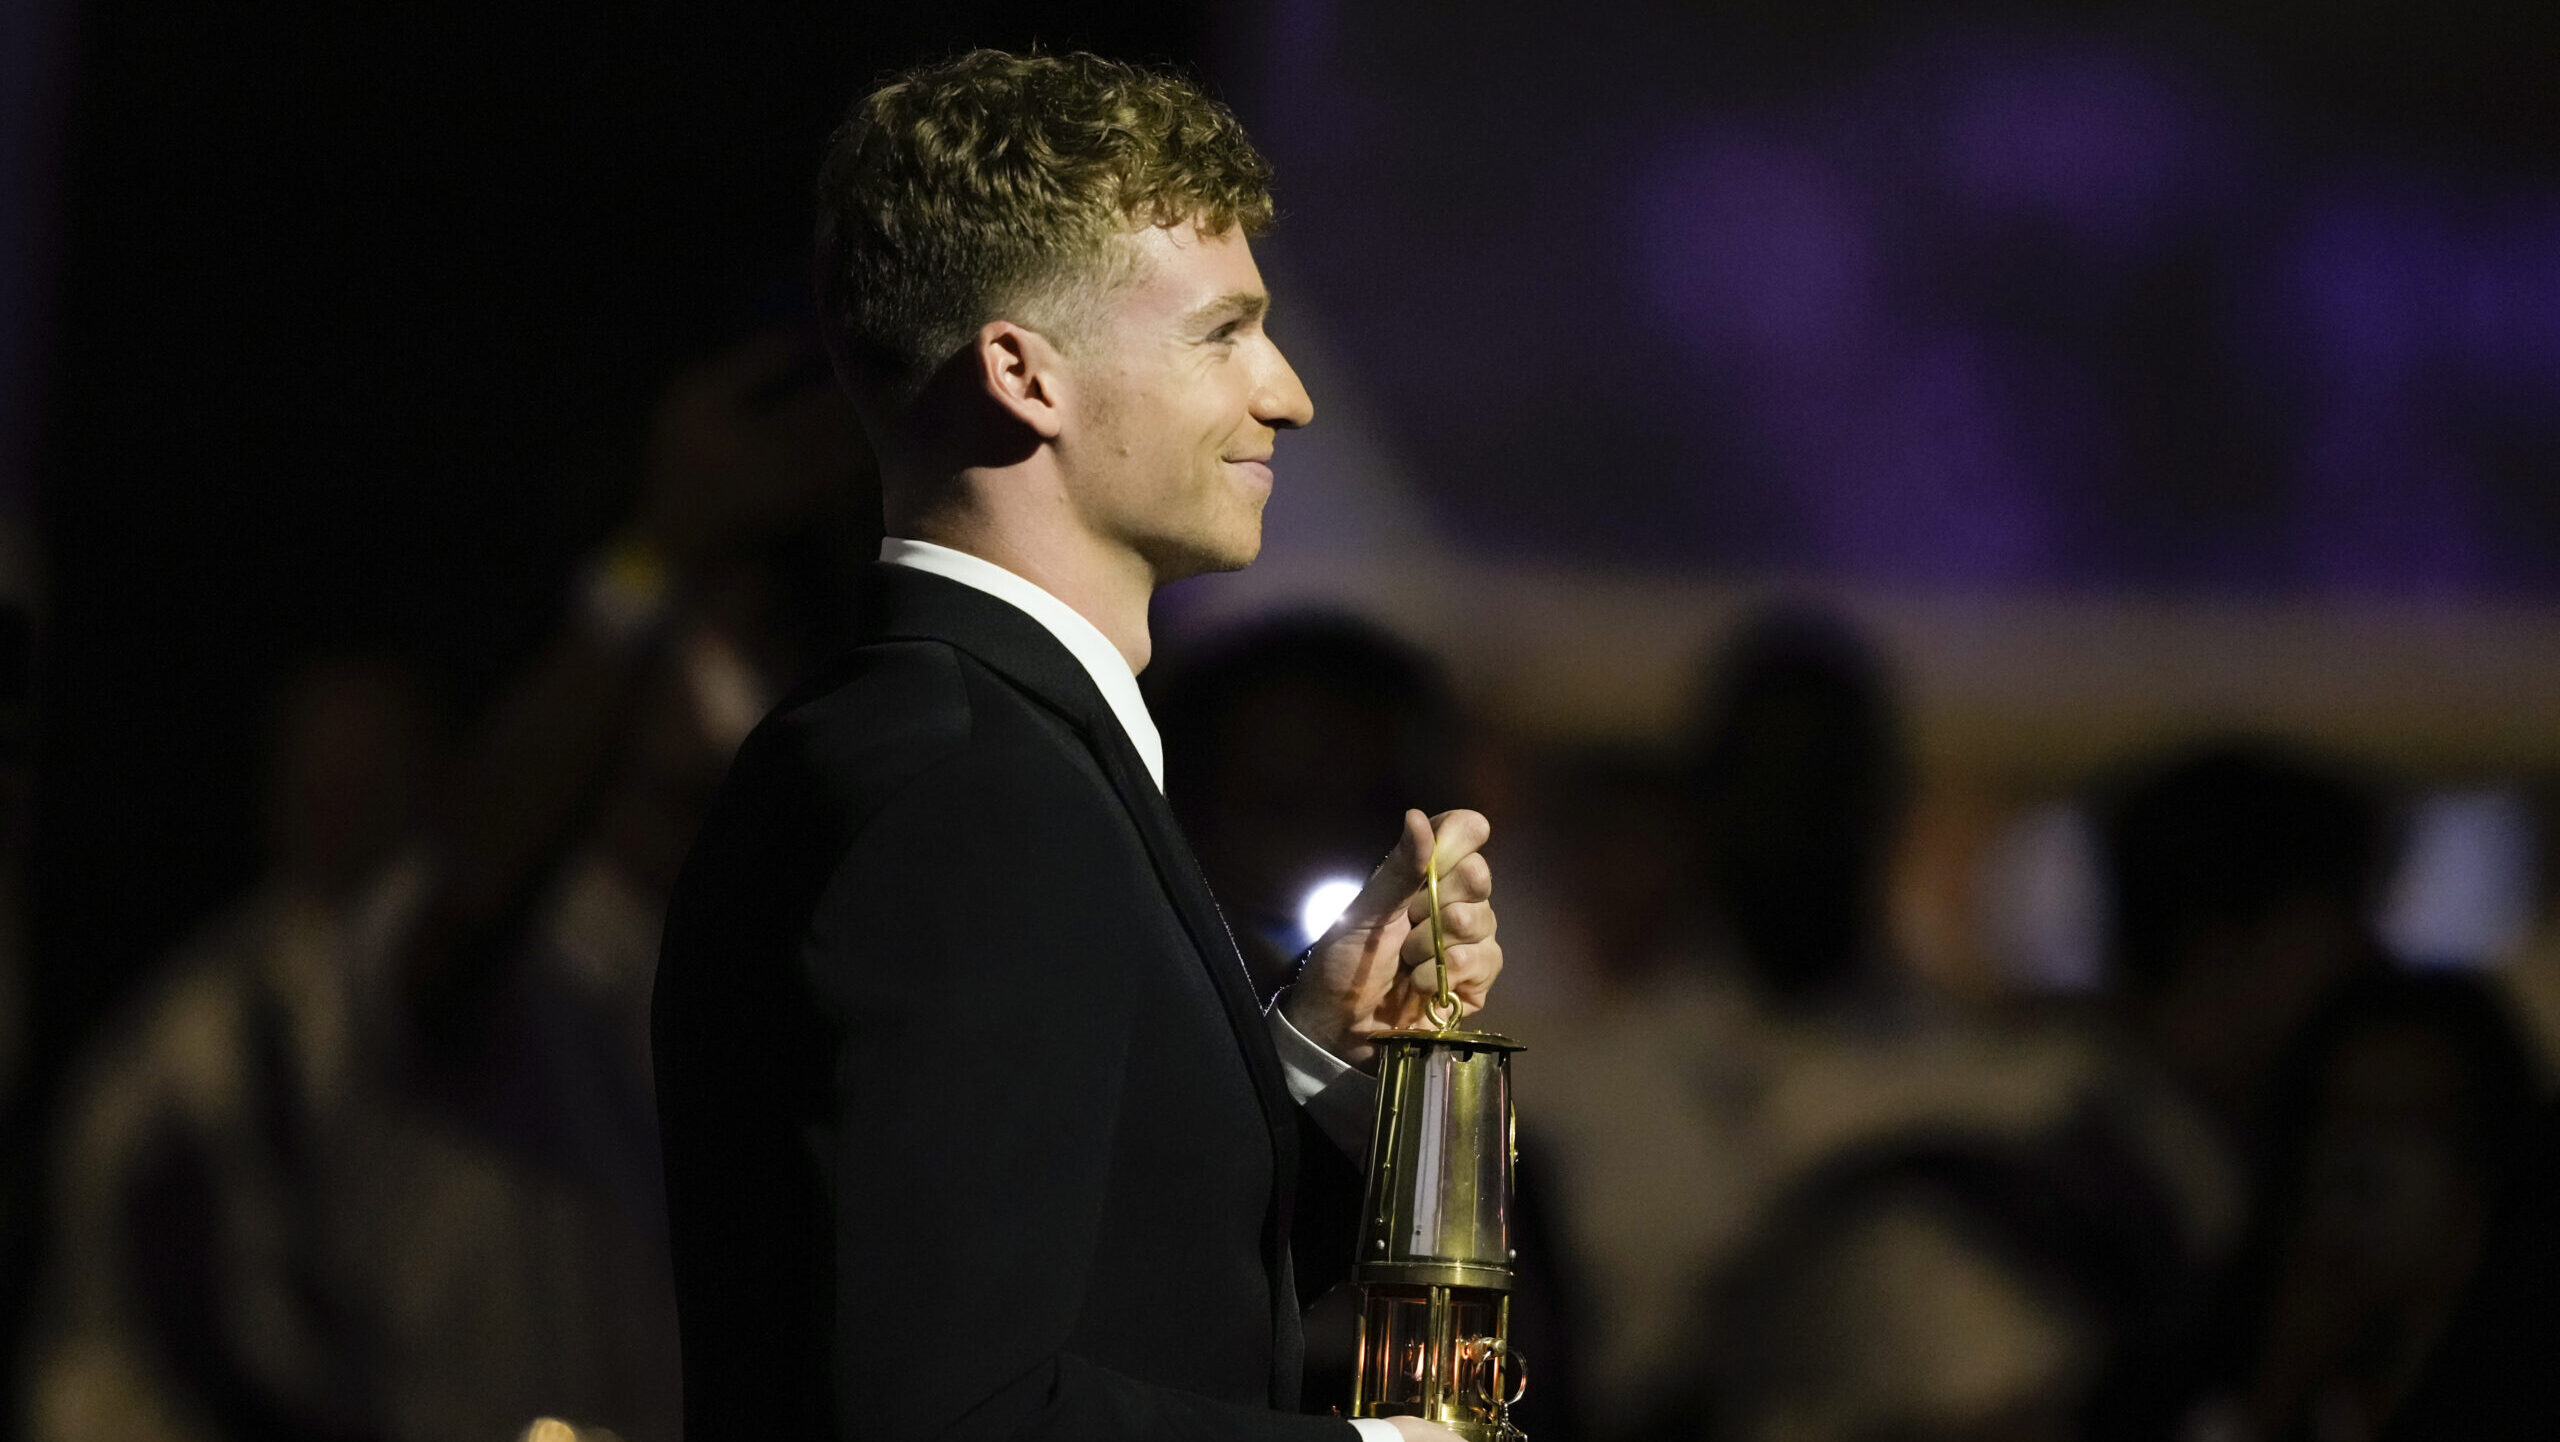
(1375, 1429)
(1340, 1098)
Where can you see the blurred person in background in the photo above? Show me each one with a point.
(1802, 783)
(2530, 977)
(525, 983)
(1609, 911)
(395, 1175)
(2488, 1377)
(1952, 1288)
(1289, 744)
(2393, 1127)
(198, 1288)
(2244, 876)
(1285, 742)
(17, 689)
(21, 1146)
(1700, 1094)
(1661, 1091)
(2241, 876)
(17, 692)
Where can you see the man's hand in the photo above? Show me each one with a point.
(1373, 971)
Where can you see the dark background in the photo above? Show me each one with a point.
(359, 315)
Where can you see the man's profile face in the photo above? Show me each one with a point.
(1180, 393)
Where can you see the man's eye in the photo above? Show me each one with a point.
(1227, 331)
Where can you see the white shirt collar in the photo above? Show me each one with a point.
(1083, 639)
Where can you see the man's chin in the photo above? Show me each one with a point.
(1245, 554)
(1184, 562)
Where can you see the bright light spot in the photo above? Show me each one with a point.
(1324, 906)
(2463, 895)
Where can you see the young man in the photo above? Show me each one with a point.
(974, 1127)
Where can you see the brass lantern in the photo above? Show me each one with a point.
(1435, 1262)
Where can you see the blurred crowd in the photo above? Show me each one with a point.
(372, 1156)
(1783, 1181)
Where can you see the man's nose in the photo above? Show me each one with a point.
(1281, 401)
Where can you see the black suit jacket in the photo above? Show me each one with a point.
(973, 1129)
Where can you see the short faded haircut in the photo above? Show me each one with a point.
(999, 186)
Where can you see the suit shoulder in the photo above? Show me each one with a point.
(887, 718)
(875, 718)
(900, 746)
(807, 781)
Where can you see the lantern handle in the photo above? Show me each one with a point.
(1443, 1011)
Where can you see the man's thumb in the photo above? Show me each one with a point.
(1397, 877)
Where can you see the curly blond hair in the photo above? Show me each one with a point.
(998, 185)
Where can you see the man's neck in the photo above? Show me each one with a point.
(1107, 586)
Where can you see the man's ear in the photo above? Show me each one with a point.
(1023, 372)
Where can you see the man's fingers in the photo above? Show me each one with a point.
(1379, 956)
(1448, 841)
(1472, 972)
(1469, 881)
(1392, 885)
(1458, 835)
(1475, 964)
(1463, 921)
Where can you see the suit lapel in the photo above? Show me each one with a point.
(914, 604)
(1188, 885)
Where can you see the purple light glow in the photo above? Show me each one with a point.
(2506, 317)
(1983, 307)
(2102, 139)
(1759, 247)
(2384, 507)
(1925, 478)
(2371, 285)
(2424, 326)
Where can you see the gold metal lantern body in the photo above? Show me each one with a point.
(1435, 1261)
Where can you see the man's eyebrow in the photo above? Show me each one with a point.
(1235, 305)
